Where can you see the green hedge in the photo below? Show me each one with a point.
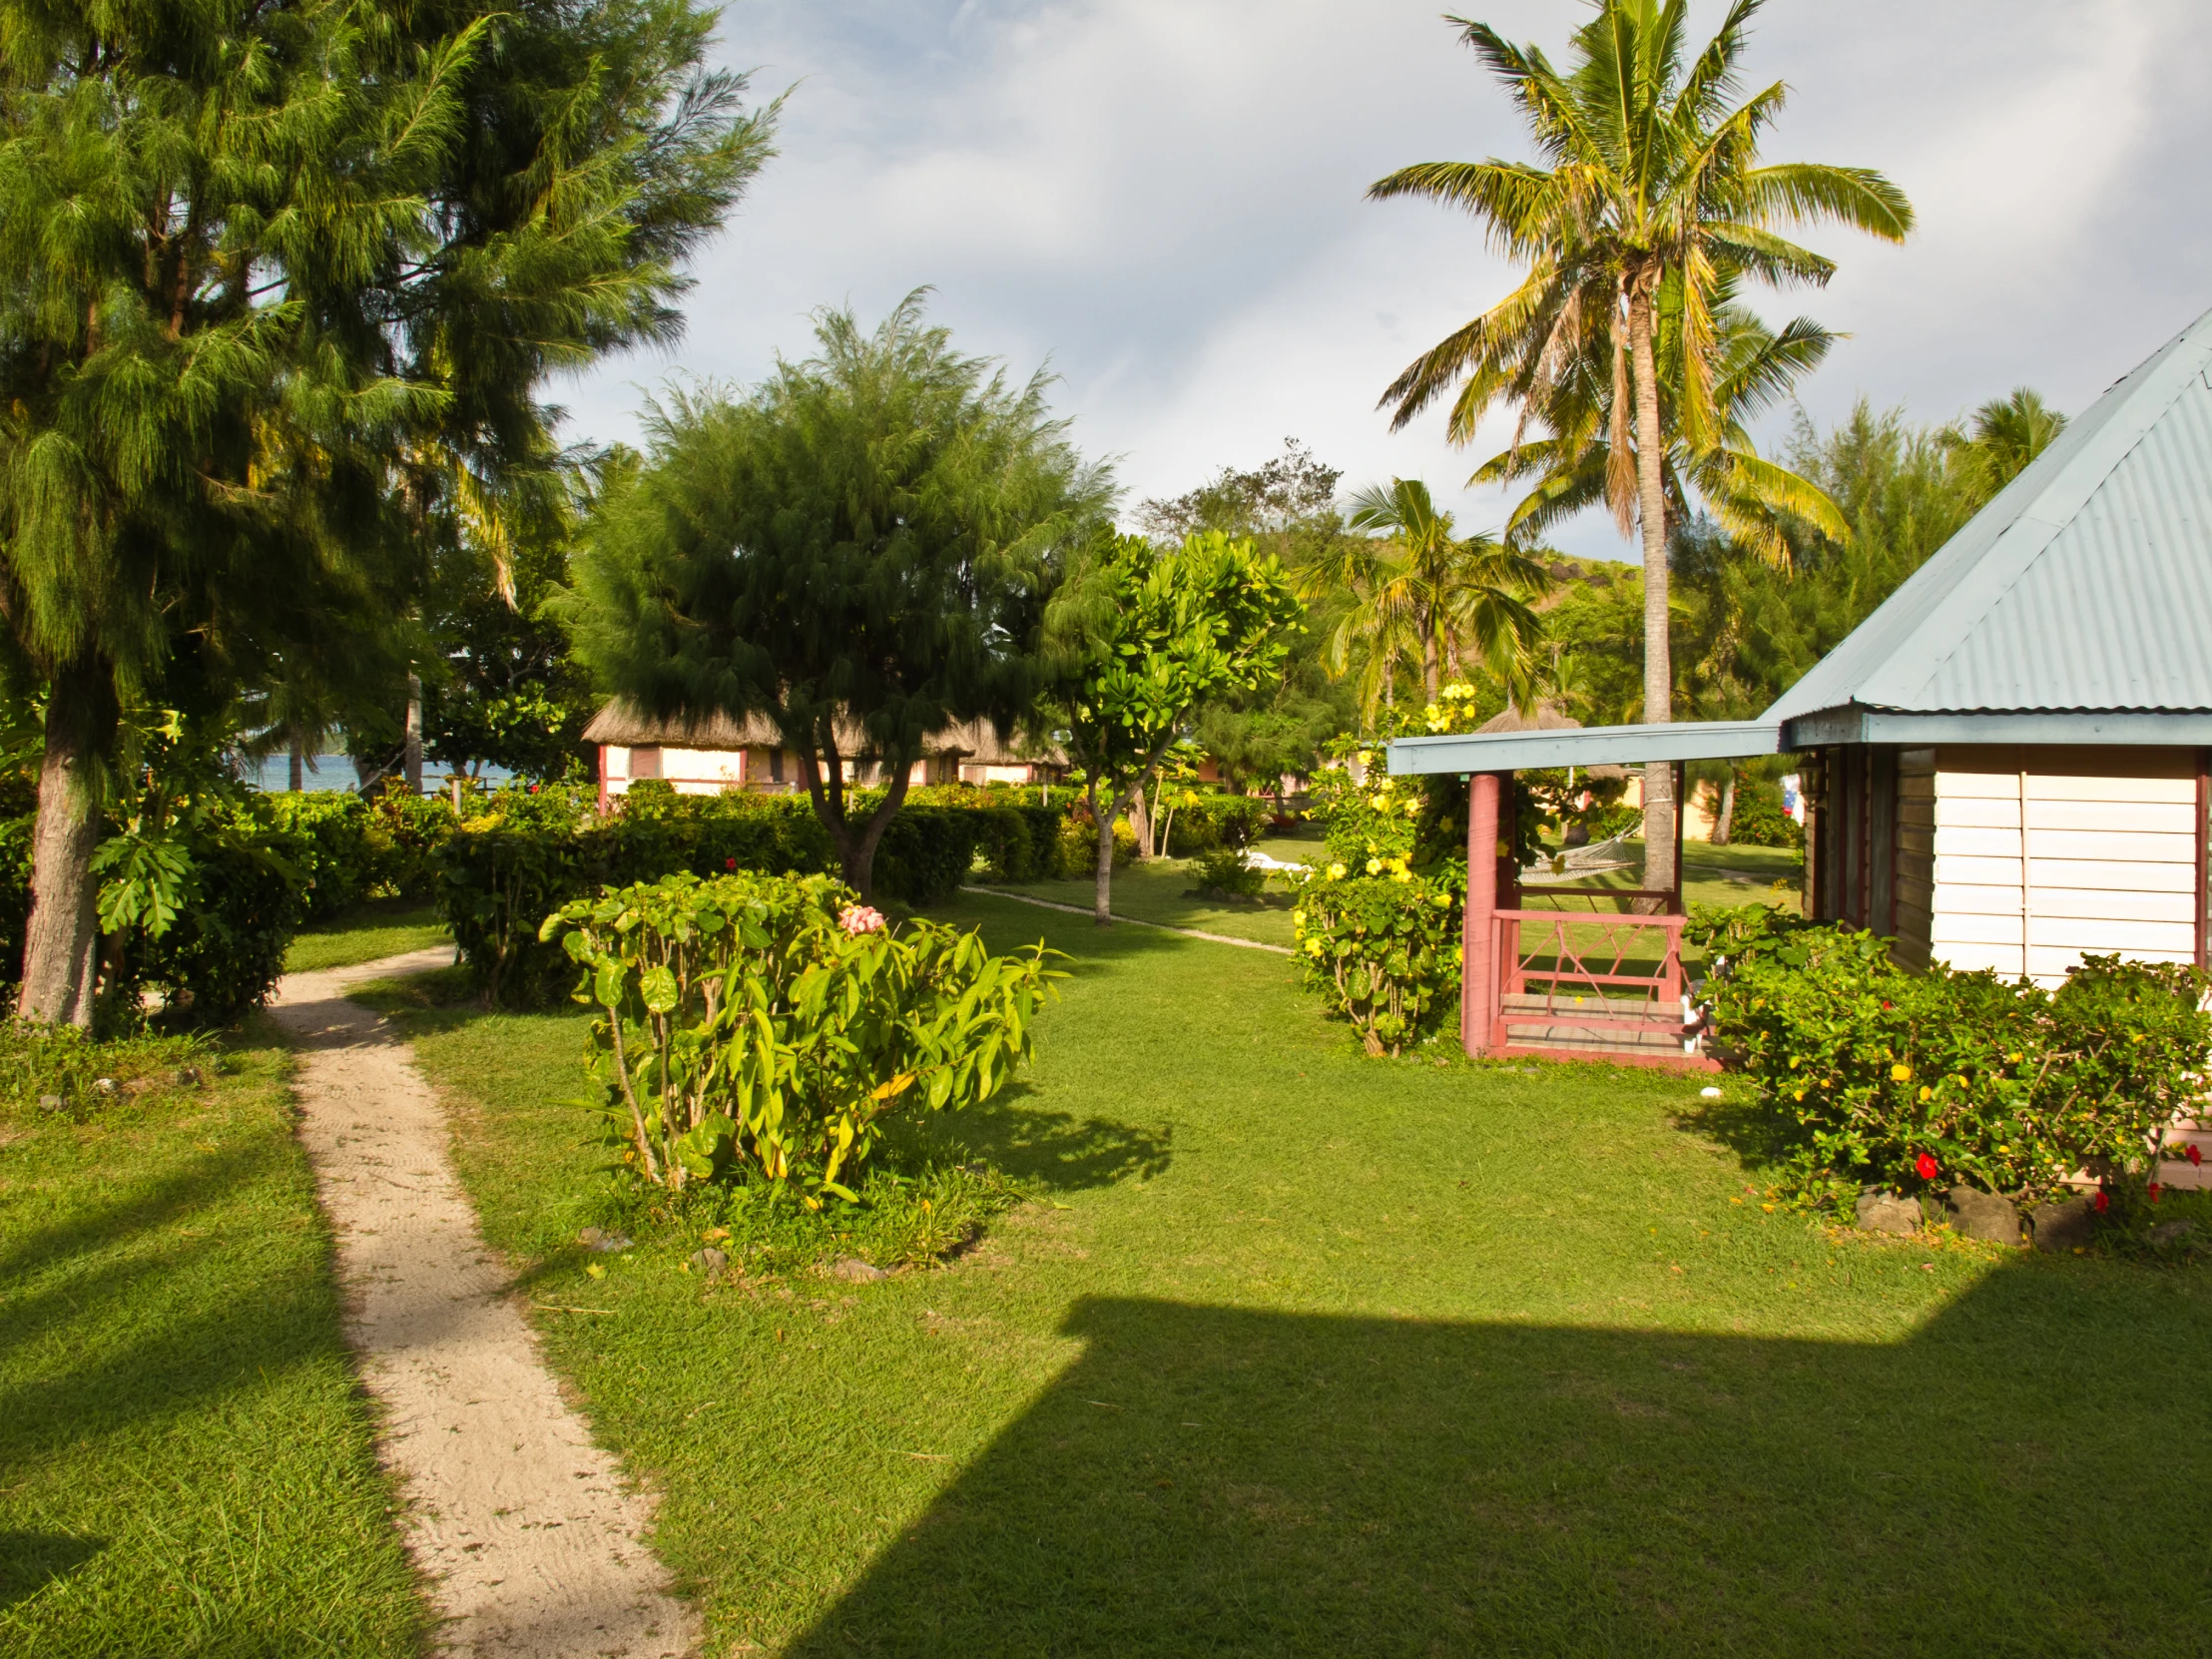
(223, 952)
(1760, 821)
(347, 849)
(1215, 821)
(526, 853)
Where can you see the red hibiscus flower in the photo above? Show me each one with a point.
(1925, 1166)
(729, 863)
(2155, 1190)
(2196, 1153)
(2105, 1201)
(1885, 1007)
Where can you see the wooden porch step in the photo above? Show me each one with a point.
(1566, 1005)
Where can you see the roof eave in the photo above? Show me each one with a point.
(2127, 727)
(1585, 746)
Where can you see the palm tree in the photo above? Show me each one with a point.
(1753, 499)
(1648, 171)
(2005, 436)
(1420, 592)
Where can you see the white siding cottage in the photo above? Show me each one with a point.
(2005, 764)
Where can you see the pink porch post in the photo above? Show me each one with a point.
(1479, 931)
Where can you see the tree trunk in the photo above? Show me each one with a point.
(1102, 867)
(1727, 817)
(1429, 659)
(1140, 821)
(298, 762)
(61, 945)
(856, 852)
(1659, 801)
(413, 762)
(855, 848)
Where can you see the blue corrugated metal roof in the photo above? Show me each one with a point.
(2087, 585)
(1591, 746)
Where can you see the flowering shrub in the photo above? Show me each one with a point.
(771, 1023)
(1374, 815)
(1382, 947)
(1926, 1080)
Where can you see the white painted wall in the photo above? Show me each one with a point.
(2023, 859)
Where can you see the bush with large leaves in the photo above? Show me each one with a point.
(765, 1026)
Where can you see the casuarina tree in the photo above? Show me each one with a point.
(1157, 631)
(1649, 170)
(269, 270)
(861, 550)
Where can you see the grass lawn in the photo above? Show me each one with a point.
(1159, 890)
(380, 927)
(1296, 1352)
(185, 1460)
(1711, 875)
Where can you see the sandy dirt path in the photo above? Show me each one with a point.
(527, 1532)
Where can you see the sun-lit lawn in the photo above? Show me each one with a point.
(381, 927)
(1160, 889)
(1295, 1353)
(184, 1457)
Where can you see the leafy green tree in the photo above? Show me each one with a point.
(267, 271)
(1286, 507)
(1160, 630)
(1648, 171)
(863, 546)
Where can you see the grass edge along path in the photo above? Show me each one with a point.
(186, 1456)
(1298, 1352)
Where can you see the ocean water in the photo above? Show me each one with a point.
(335, 772)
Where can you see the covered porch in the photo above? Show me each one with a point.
(1562, 970)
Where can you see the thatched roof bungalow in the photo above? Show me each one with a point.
(716, 754)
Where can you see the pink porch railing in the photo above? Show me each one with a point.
(1594, 978)
(1571, 982)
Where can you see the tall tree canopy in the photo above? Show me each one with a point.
(1649, 169)
(275, 276)
(867, 541)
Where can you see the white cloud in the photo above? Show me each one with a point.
(1163, 197)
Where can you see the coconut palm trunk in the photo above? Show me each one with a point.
(1659, 802)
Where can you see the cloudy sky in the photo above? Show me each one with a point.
(1163, 198)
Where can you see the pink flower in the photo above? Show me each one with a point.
(860, 919)
(1925, 1167)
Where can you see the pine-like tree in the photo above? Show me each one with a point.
(278, 280)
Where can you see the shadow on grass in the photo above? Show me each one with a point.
(29, 1561)
(178, 1342)
(1215, 1480)
(1756, 1134)
(1058, 1150)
